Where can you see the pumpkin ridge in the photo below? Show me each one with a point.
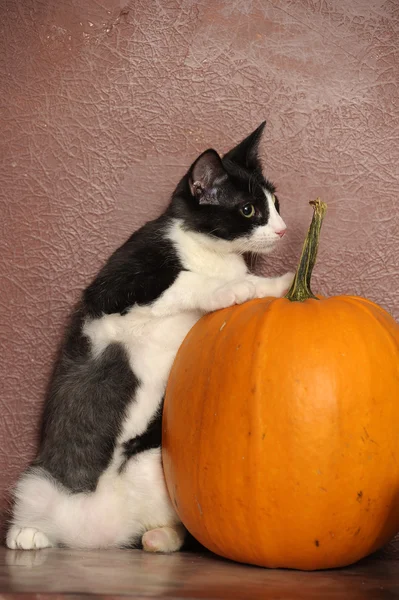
(379, 317)
(200, 476)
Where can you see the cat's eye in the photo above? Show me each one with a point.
(274, 199)
(248, 211)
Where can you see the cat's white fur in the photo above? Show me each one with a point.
(135, 501)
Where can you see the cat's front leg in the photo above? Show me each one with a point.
(192, 291)
(229, 294)
(271, 286)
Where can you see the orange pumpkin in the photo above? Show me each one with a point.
(281, 427)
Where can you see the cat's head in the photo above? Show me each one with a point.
(230, 201)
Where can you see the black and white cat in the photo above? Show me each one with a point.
(97, 481)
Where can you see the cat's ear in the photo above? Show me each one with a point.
(245, 153)
(206, 174)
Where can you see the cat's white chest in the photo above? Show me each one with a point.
(152, 335)
(200, 254)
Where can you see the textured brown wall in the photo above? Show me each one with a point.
(105, 104)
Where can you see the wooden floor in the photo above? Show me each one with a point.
(50, 573)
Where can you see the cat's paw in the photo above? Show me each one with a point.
(26, 538)
(283, 284)
(272, 286)
(234, 292)
(163, 539)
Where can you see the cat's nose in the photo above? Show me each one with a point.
(281, 232)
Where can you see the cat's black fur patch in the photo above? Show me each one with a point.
(84, 412)
(151, 438)
(137, 273)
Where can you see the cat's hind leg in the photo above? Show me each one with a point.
(164, 539)
(119, 512)
(34, 498)
(26, 538)
(47, 514)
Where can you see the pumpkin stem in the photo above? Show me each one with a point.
(300, 288)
